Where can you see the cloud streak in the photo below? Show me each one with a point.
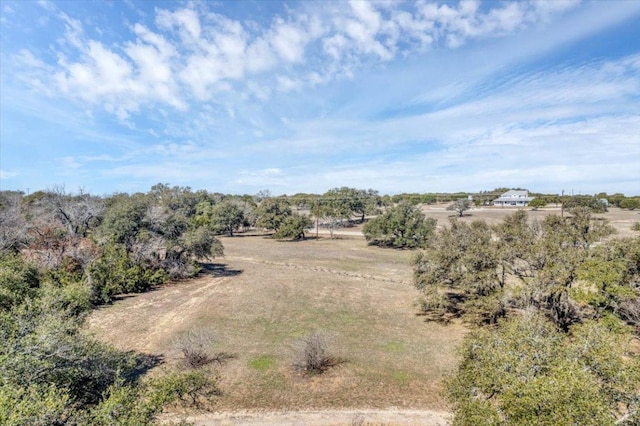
(399, 96)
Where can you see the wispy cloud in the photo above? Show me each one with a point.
(392, 95)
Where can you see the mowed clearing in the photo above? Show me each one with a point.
(265, 294)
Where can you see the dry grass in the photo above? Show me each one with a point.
(362, 296)
(621, 220)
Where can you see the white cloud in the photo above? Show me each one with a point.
(47, 5)
(7, 174)
(213, 54)
(186, 21)
(288, 41)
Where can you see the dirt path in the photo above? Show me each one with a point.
(144, 322)
(323, 418)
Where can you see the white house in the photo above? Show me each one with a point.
(513, 198)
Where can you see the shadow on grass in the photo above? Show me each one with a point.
(142, 364)
(219, 270)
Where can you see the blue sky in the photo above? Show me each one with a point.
(303, 96)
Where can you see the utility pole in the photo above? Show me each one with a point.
(562, 204)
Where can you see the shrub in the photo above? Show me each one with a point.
(194, 388)
(527, 372)
(33, 405)
(115, 273)
(311, 354)
(18, 280)
(195, 347)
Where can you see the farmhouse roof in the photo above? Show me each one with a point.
(515, 193)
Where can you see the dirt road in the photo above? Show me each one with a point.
(322, 418)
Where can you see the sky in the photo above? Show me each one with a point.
(304, 96)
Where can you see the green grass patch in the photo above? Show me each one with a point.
(401, 377)
(263, 363)
(394, 347)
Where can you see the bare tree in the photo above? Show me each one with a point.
(460, 206)
(77, 213)
(13, 227)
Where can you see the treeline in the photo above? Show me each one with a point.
(598, 202)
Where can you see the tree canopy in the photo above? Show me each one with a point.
(401, 226)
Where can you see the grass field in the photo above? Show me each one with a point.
(263, 295)
(271, 293)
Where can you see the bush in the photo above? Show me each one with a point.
(630, 203)
(195, 347)
(33, 405)
(527, 372)
(115, 273)
(311, 354)
(537, 202)
(194, 388)
(592, 203)
(18, 280)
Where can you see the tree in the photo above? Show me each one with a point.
(585, 201)
(402, 226)
(13, 226)
(466, 267)
(78, 213)
(537, 202)
(461, 205)
(293, 227)
(271, 212)
(630, 203)
(527, 372)
(227, 217)
(142, 234)
(360, 201)
(331, 210)
(459, 274)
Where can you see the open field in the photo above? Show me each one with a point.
(264, 295)
(620, 219)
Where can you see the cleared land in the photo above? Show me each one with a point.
(264, 295)
(621, 220)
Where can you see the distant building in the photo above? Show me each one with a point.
(513, 198)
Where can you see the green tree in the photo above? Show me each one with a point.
(585, 201)
(293, 227)
(402, 226)
(630, 203)
(359, 201)
(459, 273)
(272, 212)
(537, 202)
(332, 210)
(527, 372)
(227, 217)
